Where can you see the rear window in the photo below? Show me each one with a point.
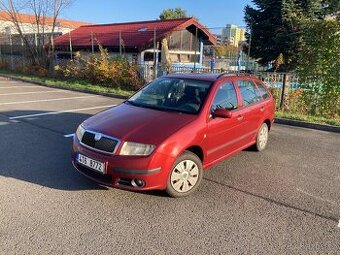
(250, 94)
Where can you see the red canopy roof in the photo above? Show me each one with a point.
(135, 35)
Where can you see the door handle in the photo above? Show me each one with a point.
(262, 109)
(240, 117)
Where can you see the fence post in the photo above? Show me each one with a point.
(11, 51)
(285, 89)
(22, 52)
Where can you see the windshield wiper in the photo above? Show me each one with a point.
(158, 107)
(141, 105)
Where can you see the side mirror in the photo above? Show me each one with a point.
(222, 113)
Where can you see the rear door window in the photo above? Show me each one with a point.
(250, 94)
(263, 92)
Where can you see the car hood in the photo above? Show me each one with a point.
(137, 124)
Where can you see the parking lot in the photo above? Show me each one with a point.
(284, 200)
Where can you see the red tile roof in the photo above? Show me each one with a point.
(27, 18)
(135, 35)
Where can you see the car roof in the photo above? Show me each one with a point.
(208, 76)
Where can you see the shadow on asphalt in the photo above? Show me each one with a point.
(35, 150)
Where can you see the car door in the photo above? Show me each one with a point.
(268, 107)
(224, 135)
(253, 107)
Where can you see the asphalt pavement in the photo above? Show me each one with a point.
(284, 200)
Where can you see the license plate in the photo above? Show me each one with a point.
(91, 163)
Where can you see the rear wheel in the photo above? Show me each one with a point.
(262, 137)
(185, 176)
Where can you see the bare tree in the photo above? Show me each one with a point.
(46, 13)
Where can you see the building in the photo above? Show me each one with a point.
(218, 39)
(29, 28)
(140, 42)
(232, 35)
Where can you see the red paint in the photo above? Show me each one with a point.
(172, 133)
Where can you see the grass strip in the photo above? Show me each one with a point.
(83, 86)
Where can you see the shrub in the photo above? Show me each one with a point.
(3, 65)
(104, 70)
(319, 64)
(39, 71)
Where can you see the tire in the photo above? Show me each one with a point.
(262, 137)
(185, 175)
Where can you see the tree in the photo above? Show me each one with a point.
(226, 51)
(319, 65)
(276, 27)
(170, 13)
(43, 11)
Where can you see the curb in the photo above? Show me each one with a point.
(69, 89)
(304, 124)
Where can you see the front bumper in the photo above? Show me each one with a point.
(121, 170)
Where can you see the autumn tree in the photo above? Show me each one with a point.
(226, 50)
(171, 13)
(46, 13)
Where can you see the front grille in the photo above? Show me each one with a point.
(105, 144)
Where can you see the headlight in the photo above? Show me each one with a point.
(136, 149)
(80, 132)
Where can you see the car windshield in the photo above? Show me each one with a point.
(173, 94)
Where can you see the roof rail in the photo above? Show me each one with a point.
(226, 74)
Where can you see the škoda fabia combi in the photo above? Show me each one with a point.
(170, 131)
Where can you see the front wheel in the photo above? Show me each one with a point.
(262, 137)
(185, 176)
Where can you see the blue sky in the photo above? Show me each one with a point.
(212, 13)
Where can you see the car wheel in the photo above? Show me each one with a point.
(262, 137)
(185, 176)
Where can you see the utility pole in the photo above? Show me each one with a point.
(249, 45)
(120, 44)
(92, 43)
(196, 42)
(71, 48)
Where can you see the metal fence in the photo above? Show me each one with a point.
(279, 83)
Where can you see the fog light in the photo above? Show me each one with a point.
(137, 183)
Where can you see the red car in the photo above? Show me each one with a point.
(166, 134)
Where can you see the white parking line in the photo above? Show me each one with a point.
(35, 92)
(316, 197)
(16, 87)
(69, 135)
(60, 112)
(47, 100)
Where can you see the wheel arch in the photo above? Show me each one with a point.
(197, 150)
(268, 122)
